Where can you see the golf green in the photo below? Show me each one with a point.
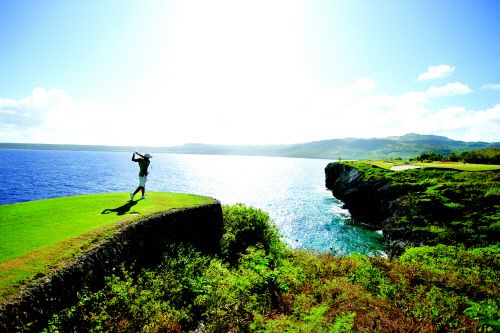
(40, 235)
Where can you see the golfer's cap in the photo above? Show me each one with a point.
(148, 156)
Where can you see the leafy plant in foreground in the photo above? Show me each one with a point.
(268, 288)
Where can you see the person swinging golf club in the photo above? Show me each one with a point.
(143, 161)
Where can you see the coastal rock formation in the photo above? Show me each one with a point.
(362, 199)
(373, 203)
(420, 206)
(142, 242)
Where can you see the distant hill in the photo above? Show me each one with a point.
(406, 146)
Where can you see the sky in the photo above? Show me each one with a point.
(165, 73)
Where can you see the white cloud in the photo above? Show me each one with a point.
(347, 114)
(450, 89)
(53, 116)
(491, 86)
(364, 84)
(29, 111)
(474, 125)
(436, 72)
(233, 117)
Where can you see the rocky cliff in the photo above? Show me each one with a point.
(374, 203)
(420, 206)
(365, 200)
(142, 242)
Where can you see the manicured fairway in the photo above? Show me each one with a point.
(37, 235)
(458, 166)
(436, 165)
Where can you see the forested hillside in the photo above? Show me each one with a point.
(404, 147)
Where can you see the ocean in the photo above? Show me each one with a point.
(290, 190)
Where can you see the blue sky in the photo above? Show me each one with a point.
(256, 72)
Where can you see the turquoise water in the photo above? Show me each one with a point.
(291, 190)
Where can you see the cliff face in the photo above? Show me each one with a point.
(373, 203)
(141, 242)
(366, 200)
(420, 206)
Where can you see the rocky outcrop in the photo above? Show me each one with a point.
(373, 203)
(365, 200)
(142, 242)
(420, 206)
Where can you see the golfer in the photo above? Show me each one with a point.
(143, 173)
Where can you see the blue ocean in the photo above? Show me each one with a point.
(290, 190)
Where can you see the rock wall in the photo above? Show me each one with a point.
(365, 200)
(142, 242)
(372, 203)
(420, 206)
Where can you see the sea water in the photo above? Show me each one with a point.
(290, 190)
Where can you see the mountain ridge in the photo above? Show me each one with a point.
(404, 147)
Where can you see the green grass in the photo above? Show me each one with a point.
(384, 164)
(257, 284)
(37, 236)
(436, 165)
(458, 166)
(437, 205)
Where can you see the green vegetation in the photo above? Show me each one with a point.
(257, 284)
(260, 285)
(405, 147)
(430, 156)
(483, 156)
(439, 206)
(461, 166)
(40, 235)
(474, 160)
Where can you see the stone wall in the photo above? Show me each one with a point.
(141, 242)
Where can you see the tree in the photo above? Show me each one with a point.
(430, 156)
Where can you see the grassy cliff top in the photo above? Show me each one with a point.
(460, 166)
(41, 235)
(435, 205)
(400, 172)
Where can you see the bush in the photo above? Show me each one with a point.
(486, 313)
(454, 263)
(484, 156)
(371, 278)
(245, 227)
(430, 156)
(267, 288)
(190, 290)
(442, 283)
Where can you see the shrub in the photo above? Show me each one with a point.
(267, 288)
(190, 290)
(244, 227)
(486, 312)
(430, 156)
(479, 265)
(372, 279)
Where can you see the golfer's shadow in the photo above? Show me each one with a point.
(122, 210)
